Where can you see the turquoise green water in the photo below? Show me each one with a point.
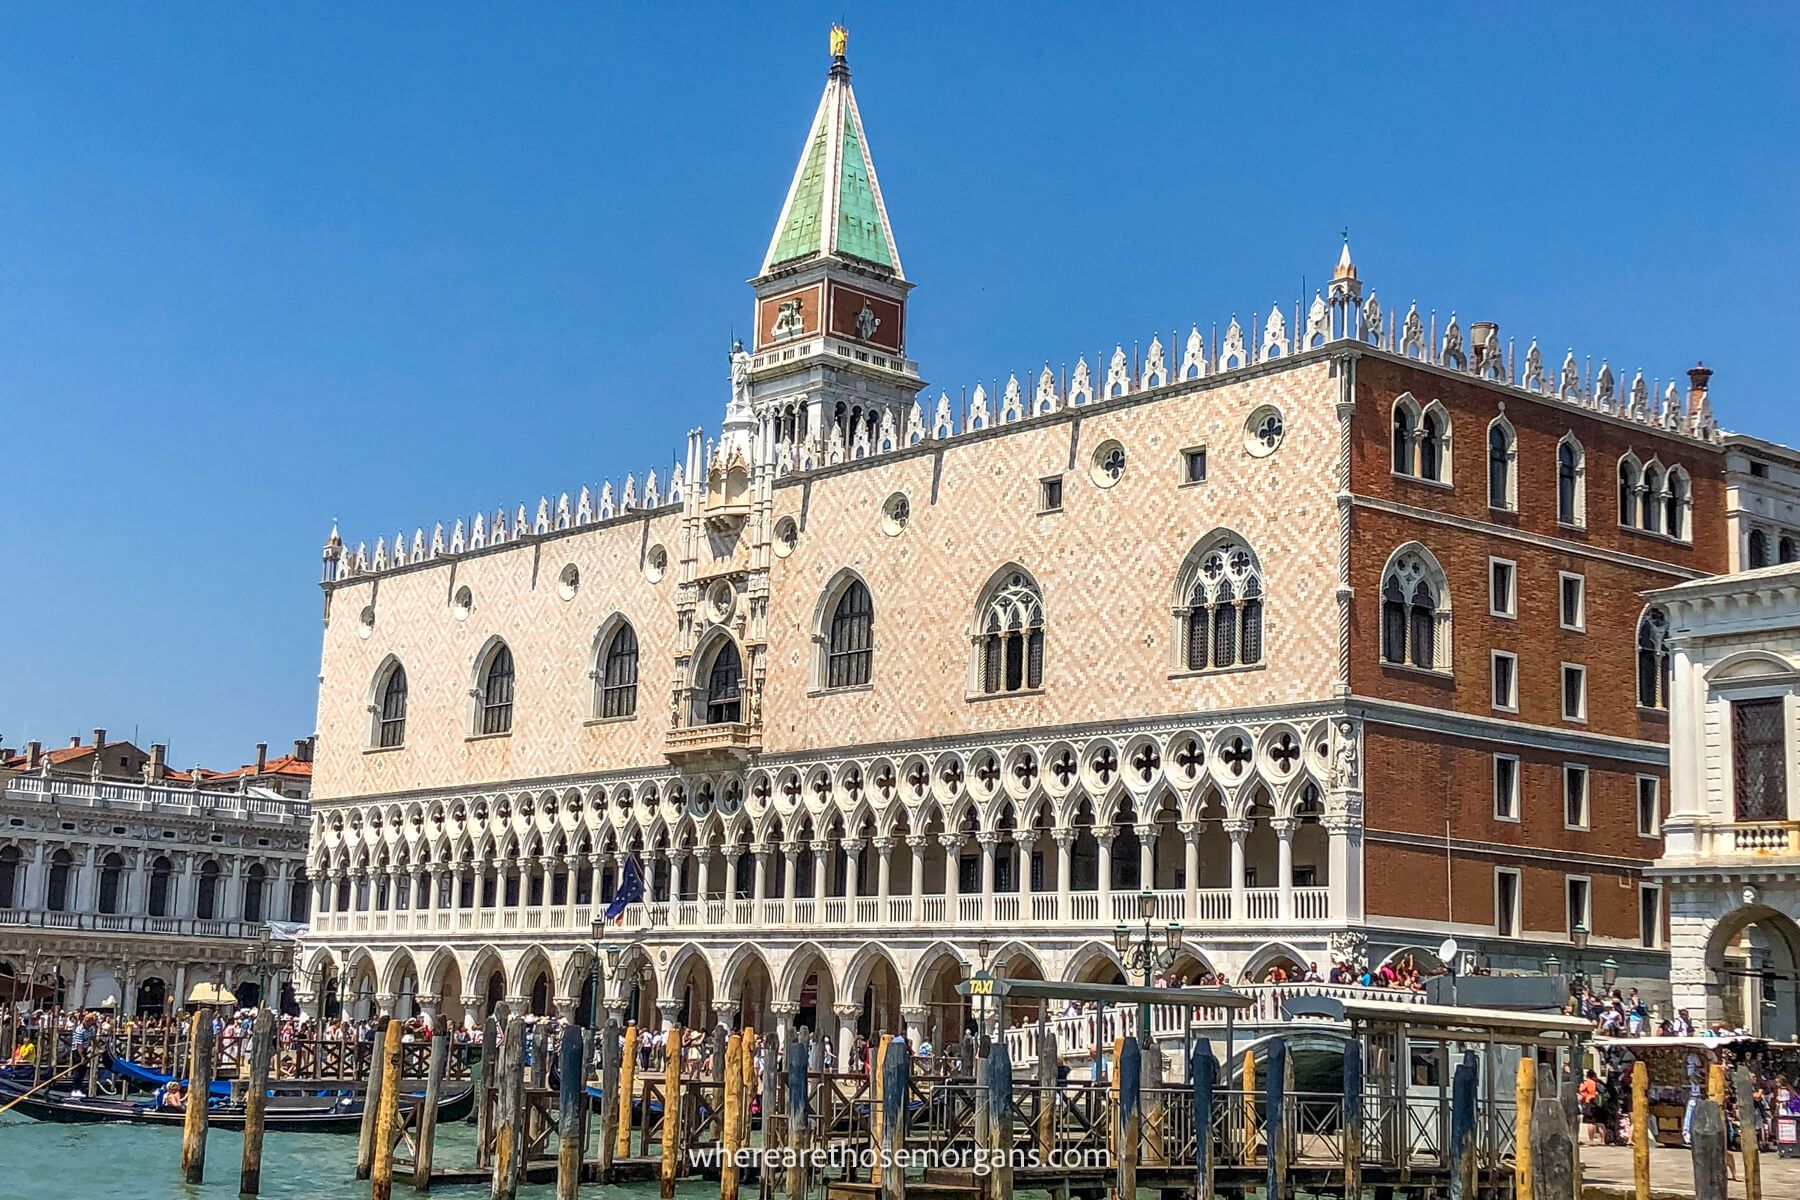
(127, 1162)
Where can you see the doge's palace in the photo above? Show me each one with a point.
(1272, 620)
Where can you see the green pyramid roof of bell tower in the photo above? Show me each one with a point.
(834, 204)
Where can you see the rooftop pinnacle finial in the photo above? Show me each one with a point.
(840, 38)
(1346, 269)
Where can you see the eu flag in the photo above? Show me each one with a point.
(629, 891)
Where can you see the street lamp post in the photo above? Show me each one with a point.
(264, 958)
(597, 973)
(1144, 955)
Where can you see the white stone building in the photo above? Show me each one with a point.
(1731, 861)
(127, 894)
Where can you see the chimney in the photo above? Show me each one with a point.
(74, 740)
(303, 749)
(1698, 376)
(33, 752)
(262, 756)
(99, 738)
(159, 762)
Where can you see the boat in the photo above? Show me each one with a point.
(328, 1113)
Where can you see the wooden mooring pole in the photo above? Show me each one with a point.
(896, 1081)
(1707, 1132)
(425, 1151)
(387, 1116)
(200, 1072)
(1462, 1128)
(365, 1144)
(613, 1106)
(1000, 1109)
(627, 1081)
(1275, 1139)
(1248, 1084)
(1524, 1109)
(1130, 1120)
(571, 1129)
(256, 1102)
(1553, 1152)
(1747, 1132)
(799, 1135)
(671, 1118)
(509, 1111)
(1640, 1130)
(731, 1135)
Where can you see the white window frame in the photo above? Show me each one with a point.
(1587, 796)
(1515, 927)
(1580, 622)
(1587, 914)
(1656, 939)
(1562, 693)
(1513, 800)
(1510, 611)
(1655, 782)
(1510, 702)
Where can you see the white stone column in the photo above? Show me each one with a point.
(1190, 843)
(790, 876)
(703, 872)
(952, 843)
(1103, 838)
(731, 875)
(1284, 868)
(821, 868)
(914, 1021)
(990, 844)
(846, 1031)
(916, 842)
(1237, 828)
(760, 853)
(1065, 869)
(852, 875)
(1146, 856)
(884, 874)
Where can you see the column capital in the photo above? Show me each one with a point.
(990, 837)
(918, 841)
(1284, 827)
(385, 1001)
(785, 1008)
(1064, 837)
(852, 845)
(725, 1011)
(883, 846)
(1236, 827)
(474, 1002)
(847, 1012)
(915, 1016)
(950, 841)
(1188, 829)
(821, 846)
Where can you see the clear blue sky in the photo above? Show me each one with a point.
(265, 265)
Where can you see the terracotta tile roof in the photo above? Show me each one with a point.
(287, 764)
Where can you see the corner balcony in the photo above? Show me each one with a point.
(1734, 843)
(1094, 912)
(702, 746)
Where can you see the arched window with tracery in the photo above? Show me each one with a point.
(494, 694)
(619, 674)
(390, 721)
(1650, 512)
(1571, 494)
(1630, 481)
(1434, 443)
(850, 646)
(724, 686)
(1405, 431)
(1221, 608)
(1502, 449)
(1676, 502)
(1415, 612)
(1010, 641)
(1653, 670)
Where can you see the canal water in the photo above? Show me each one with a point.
(40, 1161)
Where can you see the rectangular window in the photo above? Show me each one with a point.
(1650, 916)
(1574, 692)
(1503, 587)
(1575, 796)
(1649, 805)
(1758, 759)
(1050, 494)
(1193, 465)
(1505, 670)
(1506, 901)
(1573, 600)
(1580, 897)
(1506, 787)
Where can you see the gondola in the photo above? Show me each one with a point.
(315, 1114)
